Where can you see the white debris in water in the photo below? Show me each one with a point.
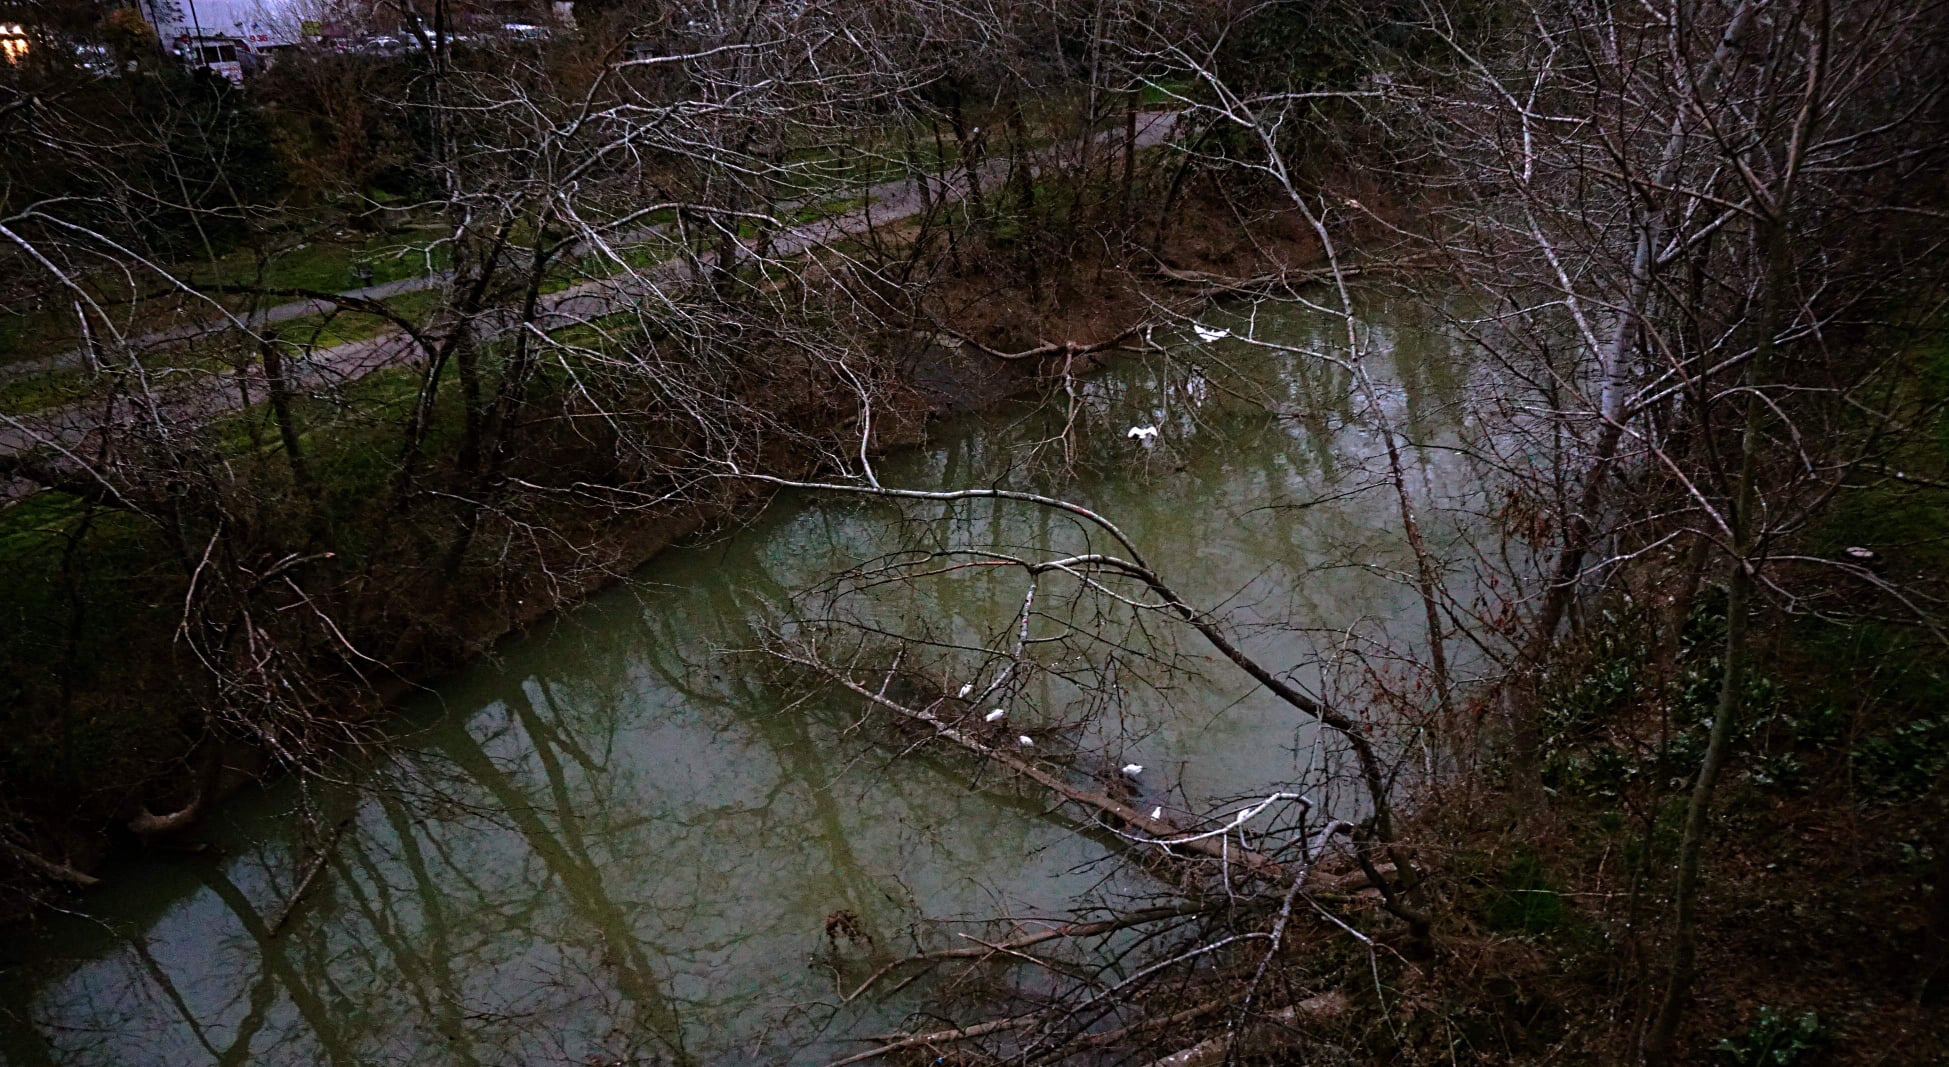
(1207, 334)
(1141, 433)
(1133, 769)
(994, 716)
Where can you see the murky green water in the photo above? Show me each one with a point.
(621, 840)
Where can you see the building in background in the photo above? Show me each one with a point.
(256, 25)
(230, 38)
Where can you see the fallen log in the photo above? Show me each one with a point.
(1214, 1050)
(1162, 834)
(1060, 931)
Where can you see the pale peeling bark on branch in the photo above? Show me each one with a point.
(1317, 1009)
(1163, 834)
(940, 1037)
(1260, 284)
(1352, 730)
(1046, 349)
(57, 871)
(1207, 1053)
(1060, 931)
(209, 767)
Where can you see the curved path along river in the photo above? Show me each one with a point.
(190, 399)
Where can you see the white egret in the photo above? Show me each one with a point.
(1141, 433)
(1157, 813)
(1026, 741)
(994, 716)
(1208, 335)
(1133, 769)
(965, 690)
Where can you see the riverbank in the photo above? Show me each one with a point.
(1821, 932)
(117, 748)
(620, 815)
(1549, 918)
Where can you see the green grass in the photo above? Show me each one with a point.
(92, 628)
(817, 166)
(1526, 902)
(48, 389)
(344, 327)
(1164, 91)
(571, 273)
(329, 264)
(354, 407)
(101, 628)
(324, 265)
(58, 388)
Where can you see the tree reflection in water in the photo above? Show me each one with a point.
(622, 843)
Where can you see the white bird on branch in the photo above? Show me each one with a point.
(994, 716)
(1141, 433)
(1207, 334)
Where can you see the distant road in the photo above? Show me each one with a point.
(188, 398)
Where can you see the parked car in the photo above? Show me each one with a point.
(97, 59)
(406, 43)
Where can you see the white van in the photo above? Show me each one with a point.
(216, 54)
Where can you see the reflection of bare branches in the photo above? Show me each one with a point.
(1132, 565)
(1254, 881)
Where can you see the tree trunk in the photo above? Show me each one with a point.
(1658, 1043)
(278, 388)
(1023, 182)
(1129, 158)
(1746, 531)
(1935, 937)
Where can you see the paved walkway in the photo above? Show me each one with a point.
(186, 398)
(77, 358)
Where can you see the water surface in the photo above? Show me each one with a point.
(621, 839)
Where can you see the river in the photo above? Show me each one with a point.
(625, 838)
